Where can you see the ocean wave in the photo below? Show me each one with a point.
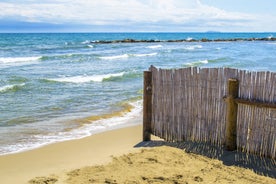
(125, 108)
(114, 57)
(270, 37)
(11, 87)
(144, 55)
(66, 55)
(209, 61)
(125, 76)
(154, 46)
(197, 63)
(7, 60)
(86, 42)
(223, 59)
(124, 56)
(193, 47)
(60, 56)
(85, 78)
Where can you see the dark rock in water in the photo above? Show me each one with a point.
(205, 40)
(128, 41)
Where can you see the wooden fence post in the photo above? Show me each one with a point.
(147, 106)
(231, 118)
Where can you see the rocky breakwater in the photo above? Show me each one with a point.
(183, 40)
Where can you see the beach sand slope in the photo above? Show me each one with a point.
(160, 165)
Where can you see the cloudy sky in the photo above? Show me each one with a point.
(137, 15)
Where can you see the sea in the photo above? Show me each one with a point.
(62, 86)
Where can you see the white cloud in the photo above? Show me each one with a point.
(118, 12)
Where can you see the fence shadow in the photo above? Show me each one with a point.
(260, 165)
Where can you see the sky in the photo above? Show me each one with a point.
(137, 15)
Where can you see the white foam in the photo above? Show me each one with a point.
(143, 55)
(131, 118)
(18, 59)
(204, 61)
(6, 88)
(270, 36)
(193, 47)
(90, 46)
(115, 57)
(10, 87)
(155, 46)
(85, 42)
(85, 78)
(198, 62)
(189, 38)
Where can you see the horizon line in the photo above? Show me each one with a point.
(77, 32)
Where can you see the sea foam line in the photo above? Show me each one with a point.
(18, 59)
(143, 55)
(86, 42)
(124, 56)
(193, 47)
(196, 63)
(154, 46)
(85, 78)
(10, 87)
(114, 57)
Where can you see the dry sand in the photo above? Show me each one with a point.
(165, 165)
(113, 157)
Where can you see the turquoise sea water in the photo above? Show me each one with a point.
(55, 87)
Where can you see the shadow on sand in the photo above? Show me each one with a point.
(260, 165)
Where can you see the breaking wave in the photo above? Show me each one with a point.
(114, 57)
(155, 46)
(214, 61)
(12, 87)
(124, 56)
(193, 47)
(197, 63)
(7, 60)
(85, 78)
(143, 55)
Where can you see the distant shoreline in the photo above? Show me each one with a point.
(184, 40)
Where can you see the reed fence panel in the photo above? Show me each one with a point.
(188, 104)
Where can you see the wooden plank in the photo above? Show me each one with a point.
(147, 106)
(232, 109)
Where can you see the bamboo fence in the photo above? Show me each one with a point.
(188, 104)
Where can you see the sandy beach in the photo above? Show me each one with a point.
(119, 156)
(65, 156)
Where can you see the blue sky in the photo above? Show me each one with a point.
(137, 15)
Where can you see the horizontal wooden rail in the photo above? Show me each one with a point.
(255, 103)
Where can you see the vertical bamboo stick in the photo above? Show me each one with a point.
(231, 119)
(147, 106)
